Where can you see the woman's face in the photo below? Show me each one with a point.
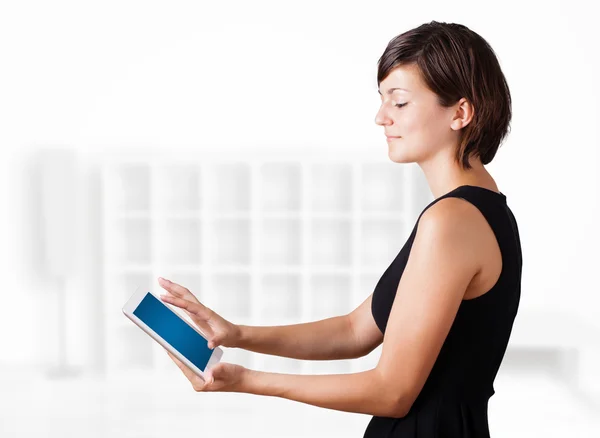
(424, 126)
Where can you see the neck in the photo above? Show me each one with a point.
(444, 174)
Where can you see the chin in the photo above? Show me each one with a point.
(400, 157)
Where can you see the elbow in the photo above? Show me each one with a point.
(406, 402)
(401, 405)
(399, 409)
(404, 408)
(399, 401)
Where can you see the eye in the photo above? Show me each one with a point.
(400, 105)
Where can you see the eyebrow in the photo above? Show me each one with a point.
(392, 89)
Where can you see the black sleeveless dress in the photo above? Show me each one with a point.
(454, 399)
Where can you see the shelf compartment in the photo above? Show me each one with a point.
(228, 187)
(230, 296)
(230, 242)
(280, 241)
(381, 240)
(280, 187)
(280, 297)
(177, 187)
(331, 242)
(128, 187)
(179, 242)
(330, 187)
(132, 244)
(382, 188)
(331, 295)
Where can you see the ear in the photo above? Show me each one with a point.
(463, 114)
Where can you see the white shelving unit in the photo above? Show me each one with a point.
(265, 238)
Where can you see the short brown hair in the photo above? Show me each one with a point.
(456, 62)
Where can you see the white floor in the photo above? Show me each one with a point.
(525, 405)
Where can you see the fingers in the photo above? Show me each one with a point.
(197, 382)
(176, 289)
(193, 308)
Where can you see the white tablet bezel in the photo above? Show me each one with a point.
(132, 304)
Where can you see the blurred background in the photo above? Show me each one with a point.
(232, 148)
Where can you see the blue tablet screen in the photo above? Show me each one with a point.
(174, 330)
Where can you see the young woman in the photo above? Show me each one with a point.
(445, 306)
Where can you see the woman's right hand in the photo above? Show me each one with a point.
(217, 330)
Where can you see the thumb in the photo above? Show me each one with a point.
(209, 378)
(214, 342)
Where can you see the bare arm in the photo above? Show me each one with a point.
(340, 337)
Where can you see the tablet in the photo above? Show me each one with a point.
(169, 329)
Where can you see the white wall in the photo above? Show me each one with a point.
(103, 75)
(134, 74)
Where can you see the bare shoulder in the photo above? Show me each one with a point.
(455, 222)
(452, 215)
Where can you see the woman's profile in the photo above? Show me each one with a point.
(445, 306)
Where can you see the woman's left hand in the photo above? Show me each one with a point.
(224, 377)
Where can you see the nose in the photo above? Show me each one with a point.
(381, 118)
